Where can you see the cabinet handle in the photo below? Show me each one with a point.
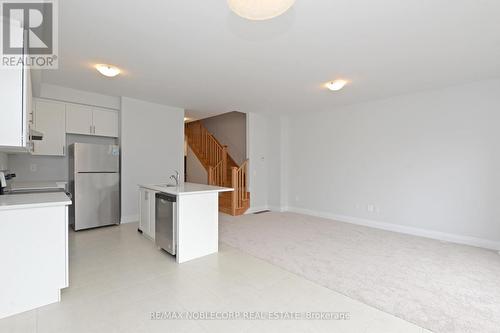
(90, 129)
(64, 150)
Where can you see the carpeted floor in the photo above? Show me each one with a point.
(443, 287)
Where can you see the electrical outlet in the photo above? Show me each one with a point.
(297, 198)
(370, 208)
(33, 167)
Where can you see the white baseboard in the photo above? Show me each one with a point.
(253, 210)
(277, 209)
(130, 219)
(442, 236)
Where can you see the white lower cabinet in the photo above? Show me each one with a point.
(147, 216)
(34, 257)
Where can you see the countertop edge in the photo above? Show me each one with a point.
(34, 205)
(176, 192)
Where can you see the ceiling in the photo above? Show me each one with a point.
(200, 56)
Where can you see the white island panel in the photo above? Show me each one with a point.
(198, 225)
(34, 256)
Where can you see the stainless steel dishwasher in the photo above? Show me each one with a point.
(165, 226)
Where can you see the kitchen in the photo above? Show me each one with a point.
(352, 149)
(76, 167)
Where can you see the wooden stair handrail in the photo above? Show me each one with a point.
(215, 158)
(240, 186)
(199, 123)
(216, 174)
(210, 150)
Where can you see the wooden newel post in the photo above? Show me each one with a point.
(210, 175)
(224, 165)
(234, 185)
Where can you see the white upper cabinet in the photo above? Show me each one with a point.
(105, 122)
(49, 118)
(11, 97)
(54, 119)
(78, 119)
(87, 120)
(15, 96)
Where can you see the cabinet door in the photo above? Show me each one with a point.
(152, 214)
(49, 118)
(78, 119)
(28, 109)
(11, 100)
(144, 211)
(105, 122)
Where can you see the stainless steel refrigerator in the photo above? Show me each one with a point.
(94, 182)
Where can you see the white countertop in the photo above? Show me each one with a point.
(187, 188)
(33, 200)
(33, 185)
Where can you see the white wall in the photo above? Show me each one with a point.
(428, 163)
(230, 129)
(152, 142)
(60, 93)
(4, 161)
(265, 161)
(257, 125)
(195, 171)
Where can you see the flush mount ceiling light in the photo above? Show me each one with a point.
(107, 70)
(336, 85)
(260, 9)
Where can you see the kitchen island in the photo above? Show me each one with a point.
(33, 250)
(196, 217)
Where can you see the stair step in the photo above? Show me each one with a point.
(225, 204)
(225, 199)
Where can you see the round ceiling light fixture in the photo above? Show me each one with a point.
(259, 10)
(336, 85)
(107, 70)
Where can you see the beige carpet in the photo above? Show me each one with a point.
(442, 287)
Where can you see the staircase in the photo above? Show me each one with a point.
(222, 170)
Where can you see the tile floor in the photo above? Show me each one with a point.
(118, 277)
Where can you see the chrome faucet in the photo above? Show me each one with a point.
(176, 177)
